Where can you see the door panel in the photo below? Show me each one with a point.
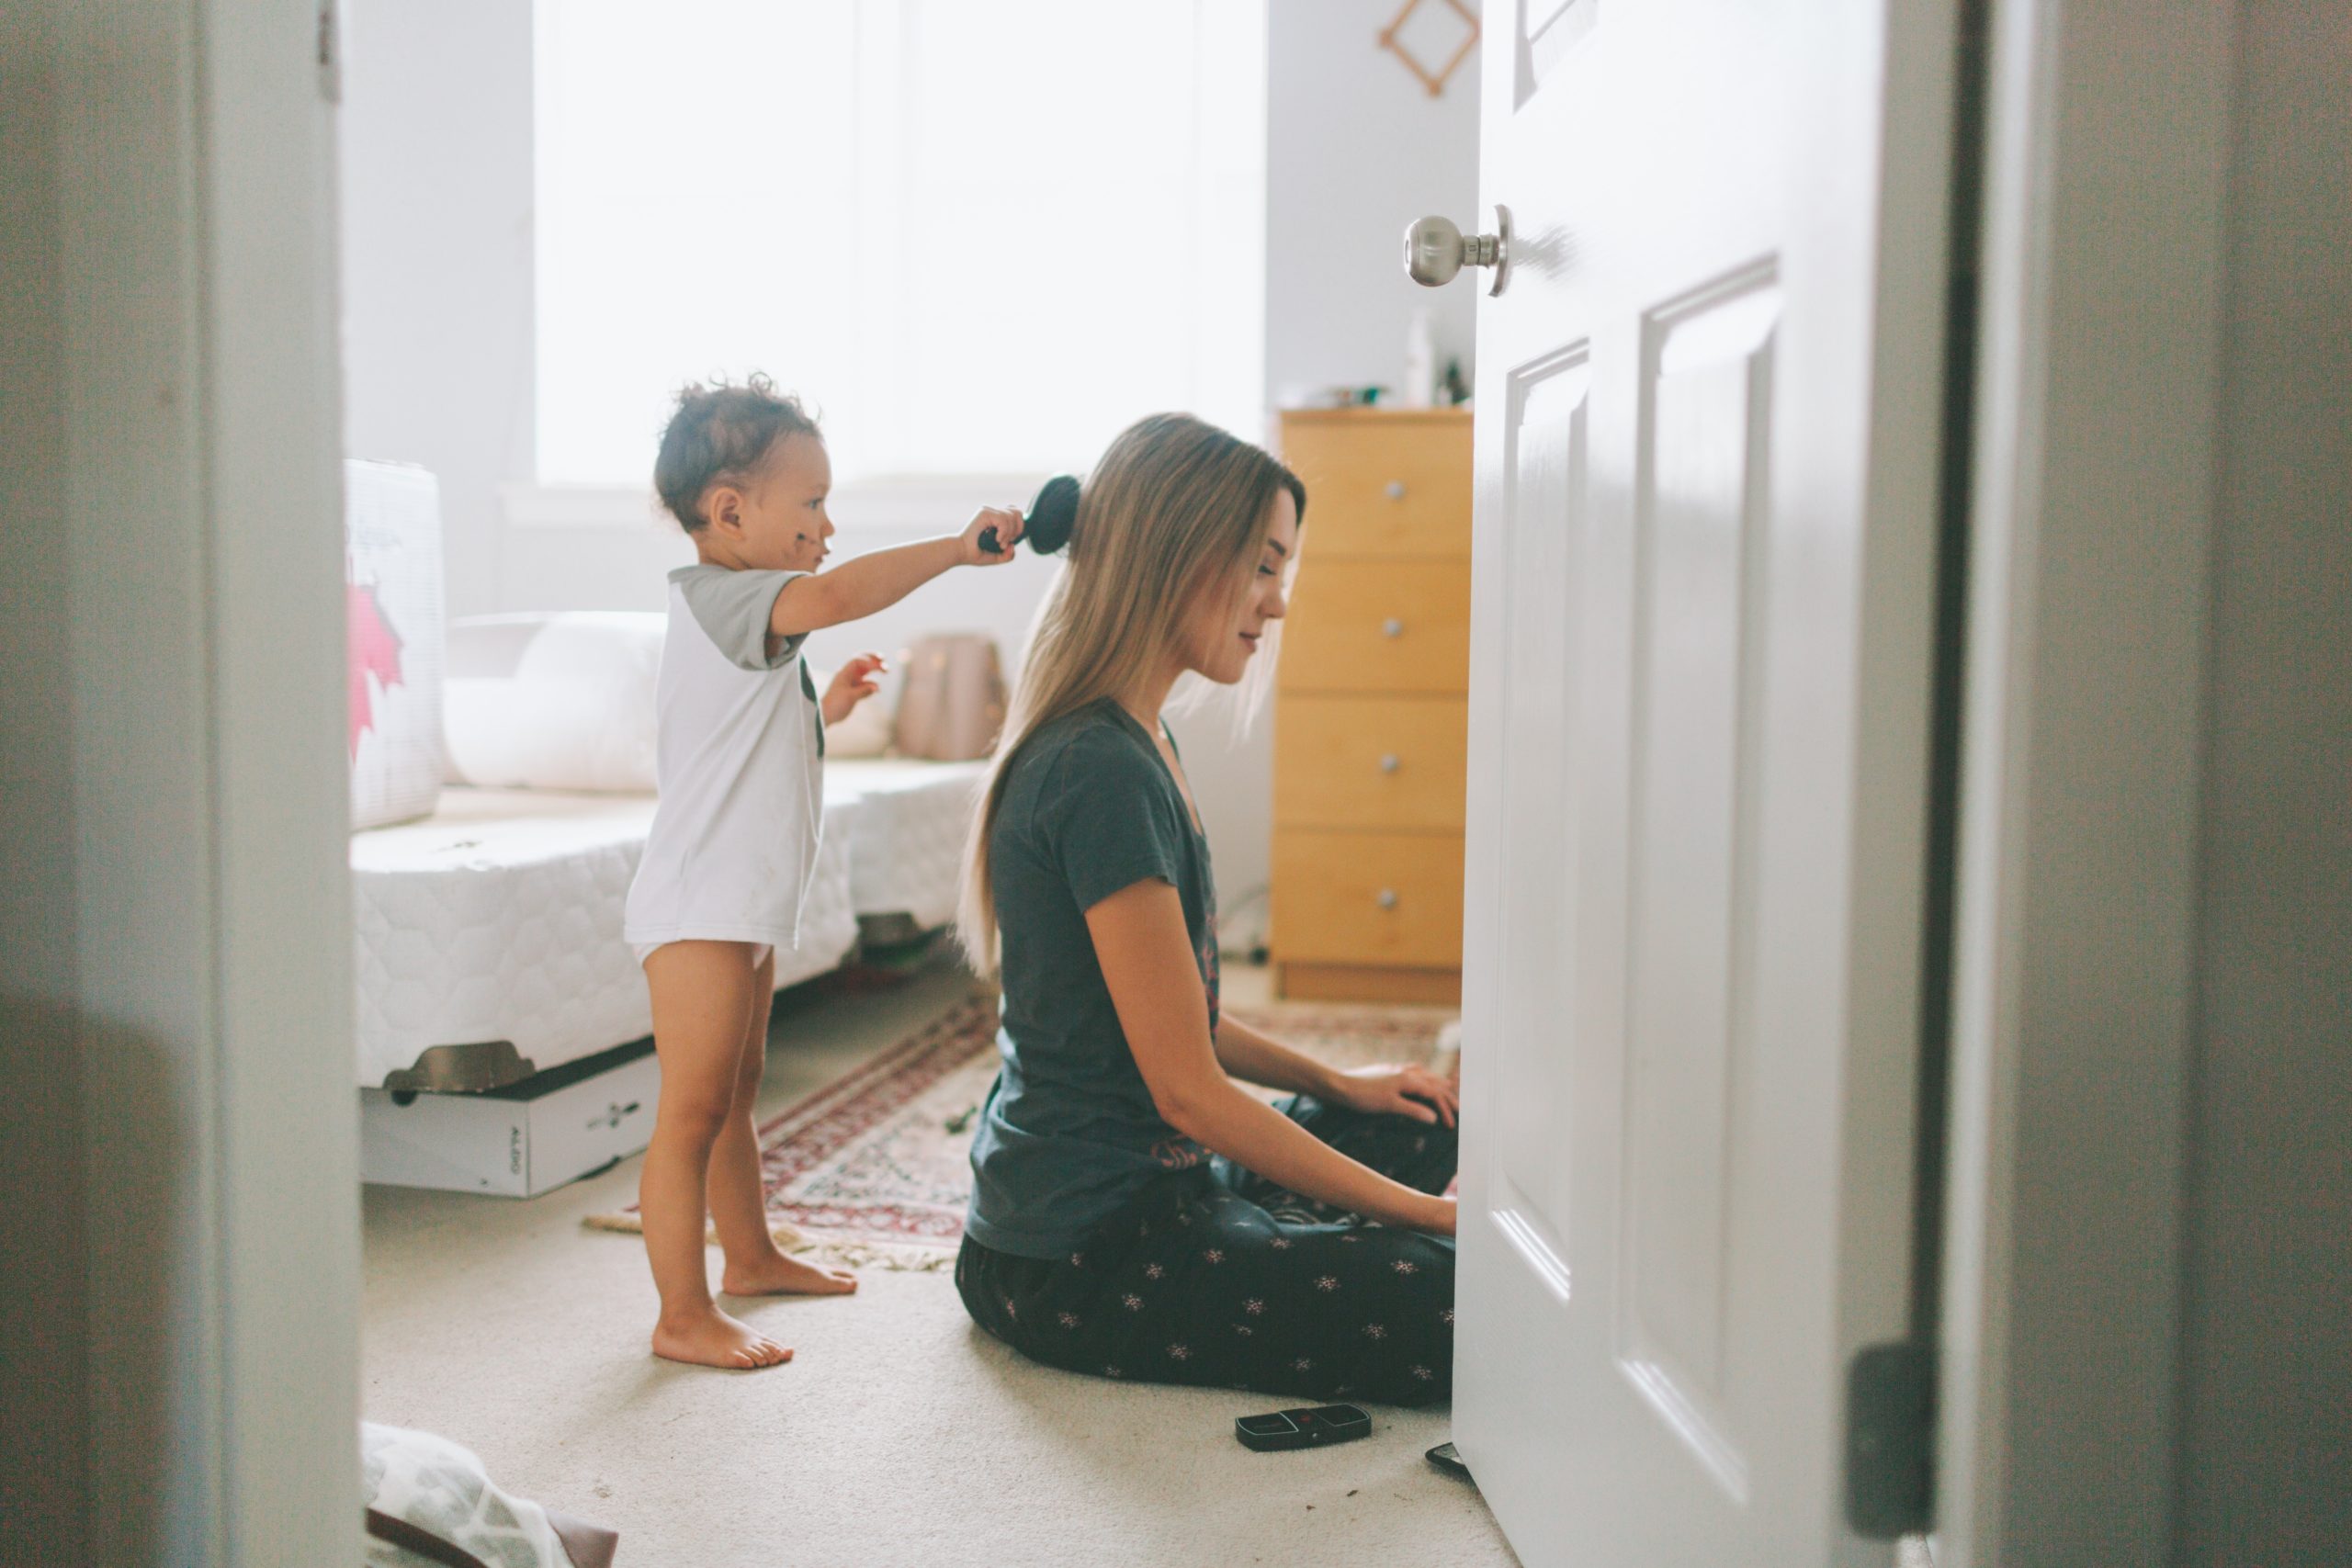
(1690, 900)
(1702, 562)
(1546, 30)
(1547, 439)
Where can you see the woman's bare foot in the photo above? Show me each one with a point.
(711, 1338)
(776, 1275)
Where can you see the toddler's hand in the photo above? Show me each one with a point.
(1003, 524)
(850, 684)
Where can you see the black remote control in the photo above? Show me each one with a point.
(1307, 1427)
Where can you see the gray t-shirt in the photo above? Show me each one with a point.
(1069, 1133)
(732, 848)
(734, 609)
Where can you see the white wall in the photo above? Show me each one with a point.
(435, 133)
(1356, 150)
(437, 193)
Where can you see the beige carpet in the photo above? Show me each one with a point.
(900, 1435)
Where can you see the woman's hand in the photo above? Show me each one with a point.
(1005, 521)
(850, 684)
(1415, 1092)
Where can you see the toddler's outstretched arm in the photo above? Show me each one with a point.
(857, 587)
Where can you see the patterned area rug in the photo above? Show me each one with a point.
(874, 1170)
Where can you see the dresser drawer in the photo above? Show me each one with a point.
(1378, 899)
(1370, 626)
(1370, 762)
(1384, 485)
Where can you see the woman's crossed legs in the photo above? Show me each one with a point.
(1217, 1277)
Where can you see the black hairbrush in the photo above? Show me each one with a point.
(1048, 519)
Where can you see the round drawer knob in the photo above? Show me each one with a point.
(1392, 627)
(1387, 898)
(1390, 762)
(1394, 490)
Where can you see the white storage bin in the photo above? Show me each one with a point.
(516, 1142)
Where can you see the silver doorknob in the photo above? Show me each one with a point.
(1394, 490)
(1389, 763)
(1388, 899)
(1392, 627)
(1435, 249)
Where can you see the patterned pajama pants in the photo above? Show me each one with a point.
(1217, 1277)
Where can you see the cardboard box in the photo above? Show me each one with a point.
(519, 1141)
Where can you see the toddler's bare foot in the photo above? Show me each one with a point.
(711, 1338)
(776, 1275)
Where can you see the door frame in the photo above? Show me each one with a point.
(204, 910)
(2107, 138)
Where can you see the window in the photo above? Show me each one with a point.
(980, 236)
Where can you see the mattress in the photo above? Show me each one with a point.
(499, 919)
(907, 838)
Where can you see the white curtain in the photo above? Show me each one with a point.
(980, 236)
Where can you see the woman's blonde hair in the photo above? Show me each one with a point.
(1177, 508)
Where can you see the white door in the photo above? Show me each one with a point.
(1704, 587)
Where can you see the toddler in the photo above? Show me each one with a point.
(742, 739)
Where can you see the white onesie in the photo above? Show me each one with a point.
(739, 753)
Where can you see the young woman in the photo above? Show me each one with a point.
(1136, 1214)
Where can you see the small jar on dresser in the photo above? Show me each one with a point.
(1371, 713)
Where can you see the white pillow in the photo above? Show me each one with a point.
(393, 611)
(555, 700)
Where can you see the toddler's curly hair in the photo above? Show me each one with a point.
(722, 434)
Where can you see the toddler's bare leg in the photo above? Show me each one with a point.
(703, 993)
(755, 1266)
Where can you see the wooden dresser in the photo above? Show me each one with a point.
(1371, 710)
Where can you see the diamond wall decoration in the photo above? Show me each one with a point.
(1392, 39)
